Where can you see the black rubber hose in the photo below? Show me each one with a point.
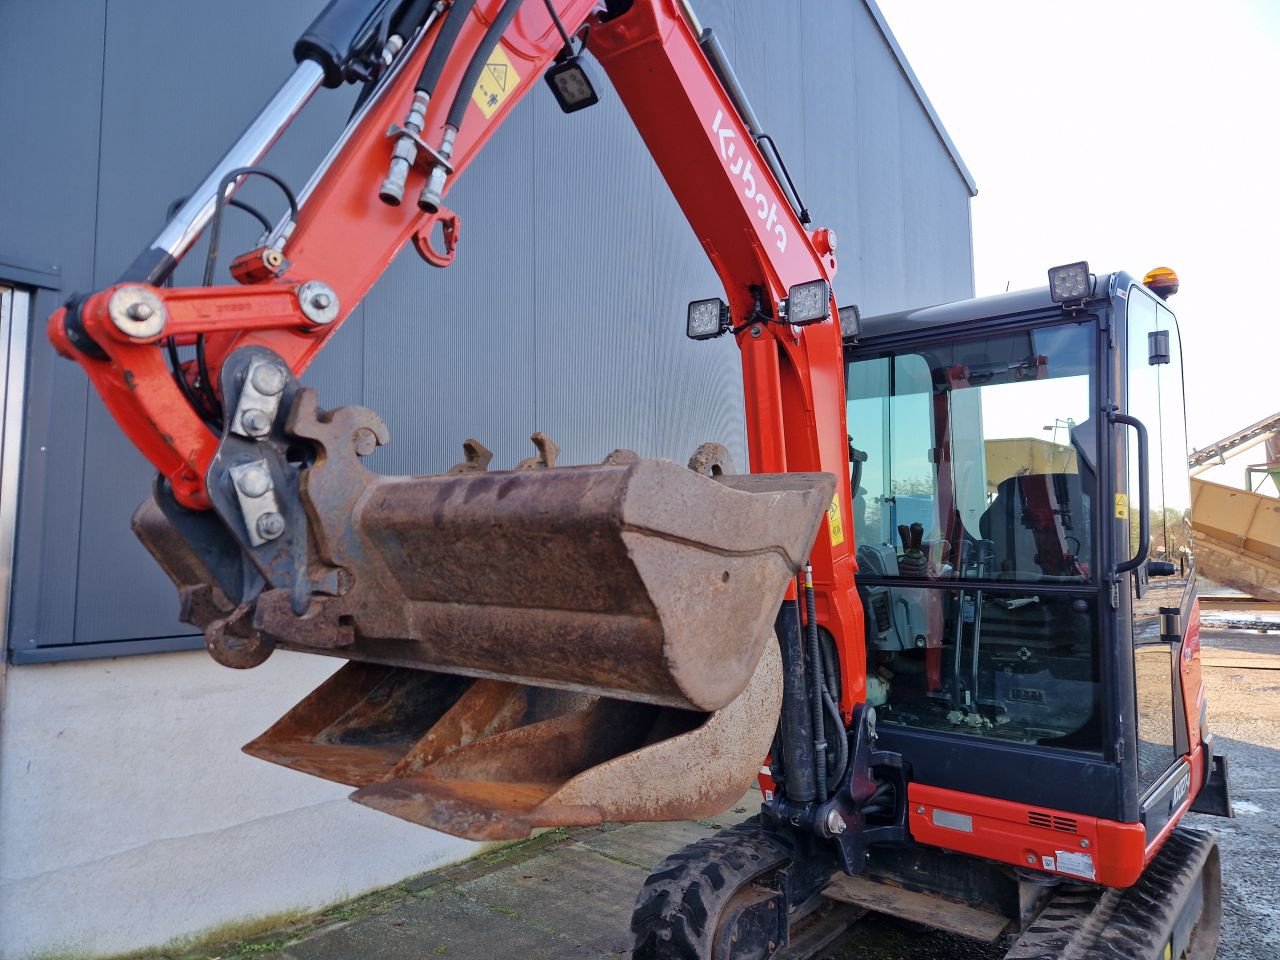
(410, 18)
(817, 686)
(407, 21)
(478, 59)
(454, 18)
(842, 739)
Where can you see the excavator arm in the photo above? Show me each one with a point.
(527, 647)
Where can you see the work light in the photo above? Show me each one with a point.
(808, 303)
(850, 321)
(572, 87)
(1069, 282)
(707, 319)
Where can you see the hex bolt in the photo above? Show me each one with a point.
(254, 483)
(141, 312)
(256, 422)
(756, 330)
(270, 525)
(920, 810)
(1031, 860)
(268, 379)
(1084, 844)
(321, 301)
(835, 822)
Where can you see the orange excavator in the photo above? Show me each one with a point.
(967, 678)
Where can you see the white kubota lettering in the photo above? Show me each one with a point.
(766, 207)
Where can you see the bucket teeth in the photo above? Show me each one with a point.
(712, 460)
(476, 458)
(546, 457)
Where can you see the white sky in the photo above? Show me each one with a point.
(1132, 134)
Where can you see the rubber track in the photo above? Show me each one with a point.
(679, 908)
(1111, 924)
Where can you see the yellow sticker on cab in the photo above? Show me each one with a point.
(1122, 506)
(835, 522)
(497, 80)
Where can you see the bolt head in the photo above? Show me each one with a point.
(1084, 844)
(835, 822)
(1031, 860)
(268, 379)
(256, 423)
(270, 525)
(920, 810)
(140, 311)
(321, 301)
(254, 483)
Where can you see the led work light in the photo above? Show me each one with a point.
(808, 303)
(1069, 282)
(850, 321)
(572, 87)
(707, 319)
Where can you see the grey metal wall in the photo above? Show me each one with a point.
(564, 311)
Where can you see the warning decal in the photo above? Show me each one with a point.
(497, 80)
(835, 522)
(1122, 506)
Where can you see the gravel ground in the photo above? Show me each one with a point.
(1242, 674)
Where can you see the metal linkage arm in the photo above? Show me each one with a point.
(441, 109)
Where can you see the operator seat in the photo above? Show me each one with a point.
(1033, 511)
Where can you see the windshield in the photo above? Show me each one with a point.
(975, 483)
(980, 458)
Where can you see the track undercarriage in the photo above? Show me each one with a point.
(739, 896)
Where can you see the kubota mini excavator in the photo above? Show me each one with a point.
(995, 728)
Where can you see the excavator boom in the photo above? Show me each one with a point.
(528, 645)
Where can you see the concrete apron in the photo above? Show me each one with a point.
(567, 894)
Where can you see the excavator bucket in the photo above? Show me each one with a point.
(539, 647)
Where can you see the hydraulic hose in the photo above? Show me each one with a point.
(830, 697)
(433, 193)
(410, 18)
(817, 686)
(842, 741)
(478, 59)
(454, 18)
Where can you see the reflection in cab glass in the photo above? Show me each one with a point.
(975, 523)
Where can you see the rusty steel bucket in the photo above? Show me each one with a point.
(531, 647)
(490, 760)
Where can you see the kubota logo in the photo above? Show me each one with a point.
(739, 166)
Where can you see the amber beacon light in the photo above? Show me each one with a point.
(1162, 281)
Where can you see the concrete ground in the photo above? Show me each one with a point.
(569, 894)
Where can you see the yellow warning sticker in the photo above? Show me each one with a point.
(1122, 506)
(835, 522)
(497, 80)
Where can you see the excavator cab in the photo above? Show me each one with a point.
(1025, 560)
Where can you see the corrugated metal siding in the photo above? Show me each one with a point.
(564, 311)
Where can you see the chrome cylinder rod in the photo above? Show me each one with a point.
(184, 227)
